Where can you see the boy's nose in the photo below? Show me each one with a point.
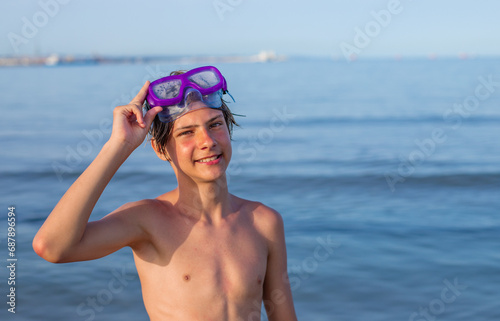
(205, 139)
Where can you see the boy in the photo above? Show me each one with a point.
(201, 253)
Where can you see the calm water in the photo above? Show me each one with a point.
(387, 174)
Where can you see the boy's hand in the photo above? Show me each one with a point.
(130, 127)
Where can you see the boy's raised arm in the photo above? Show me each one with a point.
(66, 235)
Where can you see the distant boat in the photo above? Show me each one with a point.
(52, 60)
(267, 56)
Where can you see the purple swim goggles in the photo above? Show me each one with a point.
(177, 94)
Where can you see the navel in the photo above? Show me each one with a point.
(187, 277)
(259, 280)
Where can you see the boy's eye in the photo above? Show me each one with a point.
(216, 124)
(187, 132)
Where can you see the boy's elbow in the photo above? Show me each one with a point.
(43, 250)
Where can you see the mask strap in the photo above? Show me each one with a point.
(227, 92)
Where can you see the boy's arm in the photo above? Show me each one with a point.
(277, 295)
(66, 235)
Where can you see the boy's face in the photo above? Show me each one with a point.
(200, 146)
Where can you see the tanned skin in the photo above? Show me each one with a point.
(201, 253)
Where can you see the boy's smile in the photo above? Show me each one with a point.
(211, 160)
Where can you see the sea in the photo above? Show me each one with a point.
(386, 173)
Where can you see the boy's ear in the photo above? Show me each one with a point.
(158, 153)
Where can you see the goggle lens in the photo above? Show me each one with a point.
(205, 79)
(167, 90)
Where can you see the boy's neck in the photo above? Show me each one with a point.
(208, 201)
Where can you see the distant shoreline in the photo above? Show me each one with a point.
(263, 56)
(56, 60)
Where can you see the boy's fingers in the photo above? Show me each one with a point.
(136, 112)
(140, 117)
(150, 115)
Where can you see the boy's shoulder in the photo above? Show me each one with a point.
(144, 210)
(144, 205)
(265, 218)
(162, 203)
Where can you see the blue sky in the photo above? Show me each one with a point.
(226, 27)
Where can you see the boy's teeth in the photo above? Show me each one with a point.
(206, 160)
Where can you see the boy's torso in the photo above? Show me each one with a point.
(192, 270)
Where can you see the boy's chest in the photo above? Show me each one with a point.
(230, 263)
(233, 263)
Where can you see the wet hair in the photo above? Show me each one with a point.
(161, 132)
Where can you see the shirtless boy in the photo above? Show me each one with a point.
(201, 253)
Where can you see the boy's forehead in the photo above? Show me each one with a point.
(199, 116)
